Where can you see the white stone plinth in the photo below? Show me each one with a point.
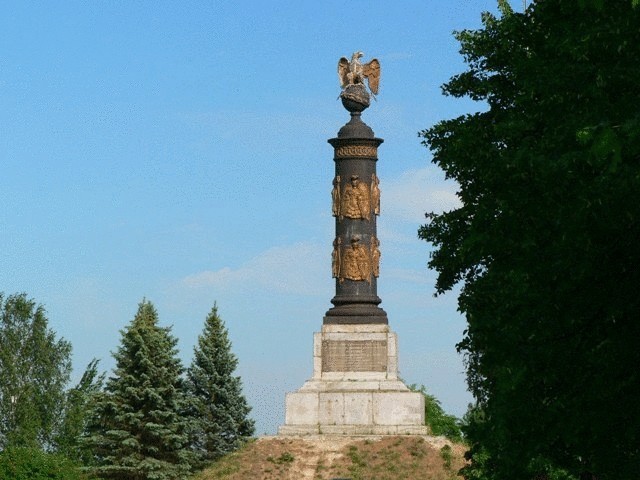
(355, 388)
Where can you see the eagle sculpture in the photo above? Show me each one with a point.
(354, 72)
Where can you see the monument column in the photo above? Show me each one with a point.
(356, 205)
(355, 389)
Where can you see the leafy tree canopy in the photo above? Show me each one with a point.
(439, 422)
(22, 463)
(545, 243)
(34, 371)
(80, 401)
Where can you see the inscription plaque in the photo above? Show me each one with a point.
(354, 355)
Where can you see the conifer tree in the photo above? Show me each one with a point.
(219, 407)
(139, 430)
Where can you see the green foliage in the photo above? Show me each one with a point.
(218, 406)
(478, 466)
(283, 459)
(545, 242)
(33, 464)
(447, 456)
(481, 465)
(34, 372)
(504, 7)
(138, 429)
(80, 401)
(439, 422)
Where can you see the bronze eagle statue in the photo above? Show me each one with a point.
(354, 72)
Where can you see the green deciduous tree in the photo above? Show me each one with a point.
(220, 409)
(22, 463)
(546, 240)
(34, 371)
(139, 430)
(439, 422)
(79, 403)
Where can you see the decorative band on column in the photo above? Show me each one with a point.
(344, 151)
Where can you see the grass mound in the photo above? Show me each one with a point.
(327, 458)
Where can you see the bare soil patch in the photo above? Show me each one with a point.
(337, 457)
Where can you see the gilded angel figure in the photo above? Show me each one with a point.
(355, 201)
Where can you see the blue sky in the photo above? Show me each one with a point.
(176, 151)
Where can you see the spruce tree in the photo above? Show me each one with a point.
(220, 410)
(139, 430)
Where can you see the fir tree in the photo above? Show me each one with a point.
(219, 407)
(139, 430)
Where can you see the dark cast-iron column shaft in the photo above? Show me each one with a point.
(356, 203)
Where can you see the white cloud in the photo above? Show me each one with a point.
(292, 269)
(303, 268)
(415, 192)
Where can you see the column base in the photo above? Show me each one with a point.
(355, 388)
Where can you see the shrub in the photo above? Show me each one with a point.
(439, 422)
(34, 464)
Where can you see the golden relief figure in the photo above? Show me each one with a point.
(356, 264)
(375, 256)
(355, 201)
(335, 196)
(375, 193)
(336, 257)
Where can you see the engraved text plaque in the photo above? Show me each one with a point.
(354, 356)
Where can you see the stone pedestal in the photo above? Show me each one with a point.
(355, 388)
